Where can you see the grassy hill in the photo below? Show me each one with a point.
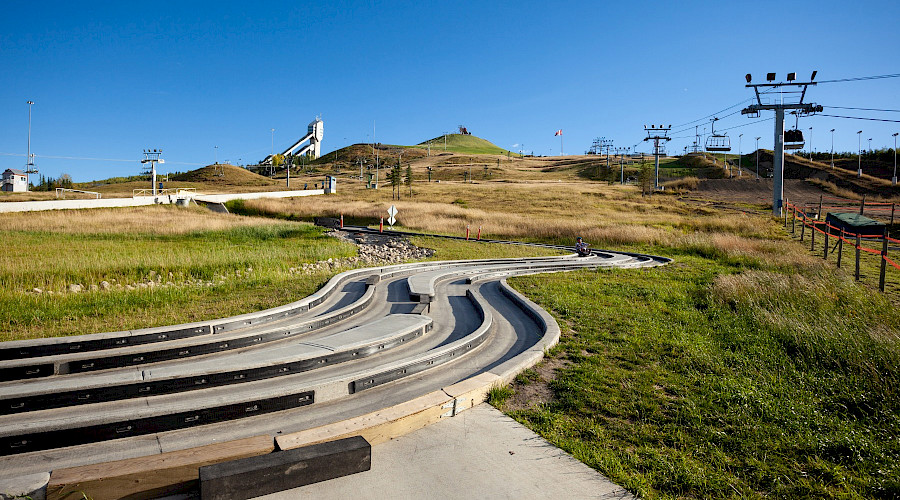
(466, 144)
(223, 174)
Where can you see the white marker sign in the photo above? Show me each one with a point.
(392, 212)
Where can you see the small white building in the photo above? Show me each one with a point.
(14, 180)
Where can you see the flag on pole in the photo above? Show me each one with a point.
(558, 132)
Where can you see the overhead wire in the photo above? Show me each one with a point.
(866, 109)
(130, 160)
(860, 118)
(713, 114)
(860, 78)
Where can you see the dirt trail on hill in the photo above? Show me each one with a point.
(755, 191)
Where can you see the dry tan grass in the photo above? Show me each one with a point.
(682, 184)
(163, 219)
(606, 216)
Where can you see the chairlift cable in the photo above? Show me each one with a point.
(876, 77)
(714, 114)
(861, 118)
(866, 109)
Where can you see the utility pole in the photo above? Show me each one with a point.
(740, 158)
(657, 134)
(804, 108)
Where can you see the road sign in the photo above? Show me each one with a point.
(392, 212)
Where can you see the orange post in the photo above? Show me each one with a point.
(479, 233)
(467, 232)
(381, 226)
(342, 221)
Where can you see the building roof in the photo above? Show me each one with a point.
(15, 171)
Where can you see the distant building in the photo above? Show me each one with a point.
(14, 180)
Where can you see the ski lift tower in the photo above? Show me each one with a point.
(657, 134)
(790, 96)
(151, 156)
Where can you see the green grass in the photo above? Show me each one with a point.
(209, 272)
(464, 144)
(210, 277)
(706, 379)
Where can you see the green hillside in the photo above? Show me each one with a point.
(466, 144)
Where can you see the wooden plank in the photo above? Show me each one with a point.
(284, 470)
(151, 476)
(376, 427)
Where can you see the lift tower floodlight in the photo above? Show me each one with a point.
(657, 134)
(790, 98)
(151, 156)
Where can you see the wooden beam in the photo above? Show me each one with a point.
(151, 476)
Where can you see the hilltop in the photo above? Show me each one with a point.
(223, 175)
(464, 144)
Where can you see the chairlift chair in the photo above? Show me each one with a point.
(717, 142)
(793, 138)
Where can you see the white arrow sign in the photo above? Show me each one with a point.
(392, 212)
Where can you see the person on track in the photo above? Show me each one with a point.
(581, 247)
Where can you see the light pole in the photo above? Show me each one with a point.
(894, 179)
(870, 145)
(217, 154)
(29, 162)
(810, 145)
(757, 158)
(832, 149)
(859, 153)
(740, 158)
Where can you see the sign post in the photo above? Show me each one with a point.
(392, 212)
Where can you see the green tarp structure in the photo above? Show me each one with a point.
(855, 223)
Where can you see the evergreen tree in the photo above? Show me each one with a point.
(409, 179)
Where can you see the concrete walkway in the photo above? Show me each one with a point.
(480, 453)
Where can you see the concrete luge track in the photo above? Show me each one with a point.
(370, 342)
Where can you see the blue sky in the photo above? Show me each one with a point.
(111, 78)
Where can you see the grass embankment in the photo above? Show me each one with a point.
(717, 377)
(164, 265)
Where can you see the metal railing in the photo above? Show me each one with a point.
(176, 192)
(61, 192)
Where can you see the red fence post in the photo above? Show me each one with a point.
(479, 233)
(812, 236)
(793, 219)
(381, 226)
(467, 232)
(342, 221)
(803, 227)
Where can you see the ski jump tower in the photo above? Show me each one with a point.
(313, 134)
